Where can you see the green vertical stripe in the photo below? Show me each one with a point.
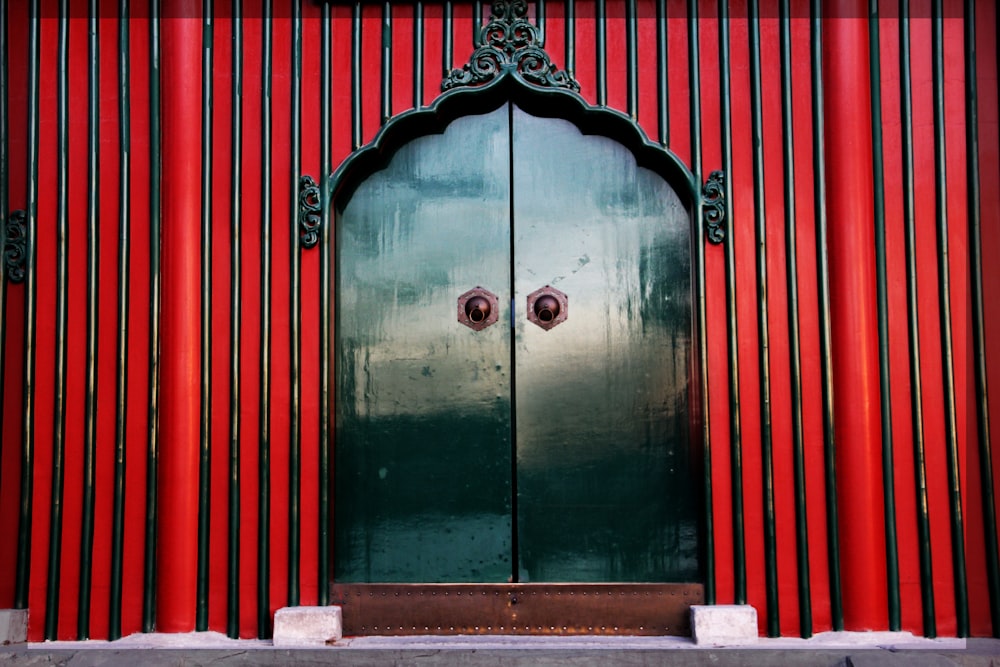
(93, 297)
(944, 309)
(539, 19)
(763, 355)
(235, 322)
(885, 379)
(570, 36)
(735, 437)
(61, 332)
(662, 80)
(386, 61)
(205, 446)
(264, 399)
(632, 59)
(601, 52)
(418, 58)
(794, 352)
(152, 426)
(477, 20)
(823, 288)
(122, 330)
(28, 384)
(448, 45)
(694, 101)
(325, 162)
(356, 77)
(916, 392)
(295, 333)
(978, 325)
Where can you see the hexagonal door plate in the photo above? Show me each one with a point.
(474, 313)
(541, 310)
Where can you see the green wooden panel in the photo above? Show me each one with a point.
(422, 450)
(604, 488)
(605, 485)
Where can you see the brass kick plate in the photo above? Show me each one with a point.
(516, 609)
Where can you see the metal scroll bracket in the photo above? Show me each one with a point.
(15, 246)
(510, 44)
(310, 204)
(713, 202)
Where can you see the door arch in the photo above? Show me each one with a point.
(514, 453)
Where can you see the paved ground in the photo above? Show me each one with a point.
(829, 649)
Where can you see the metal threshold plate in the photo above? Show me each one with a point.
(516, 609)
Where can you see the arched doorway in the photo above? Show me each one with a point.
(509, 452)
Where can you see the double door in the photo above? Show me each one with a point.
(521, 449)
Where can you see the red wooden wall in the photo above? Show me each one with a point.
(150, 401)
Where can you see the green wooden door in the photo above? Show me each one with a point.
(513, 453)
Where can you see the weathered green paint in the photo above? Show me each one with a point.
(514, 452)
(605, 490)
(422, 486)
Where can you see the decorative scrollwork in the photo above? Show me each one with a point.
(309, 211)
(713, 200)
(15, 246)
(510, 43)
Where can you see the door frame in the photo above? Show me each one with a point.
(654, 609)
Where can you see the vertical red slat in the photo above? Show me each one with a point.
(250, 318)
(616, 57)
(780, 368)
(309, 395)
(902, 423)
(852, 288)
(989, 175)
(812, 418)
(715, 302)
(45, 325)
(13, 380)
(280, 301)
(433, 72)
(177, 538)
(402, 58)
(958, 254)
(108, 322)
(221, 279)
(586, 67)
(76, 352)
(133, 542)
(928, 314)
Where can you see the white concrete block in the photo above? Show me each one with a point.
(307, 626)
(13, 626)
(724, 624)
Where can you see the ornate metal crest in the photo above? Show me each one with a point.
(309, 211)
(15, 246)
(713, 200)
(510, 43)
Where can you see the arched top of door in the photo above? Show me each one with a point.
(510, 65)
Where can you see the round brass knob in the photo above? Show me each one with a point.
(546, 308)
(477, 309)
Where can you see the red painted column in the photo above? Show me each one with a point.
(177, 477)
(853, 317)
